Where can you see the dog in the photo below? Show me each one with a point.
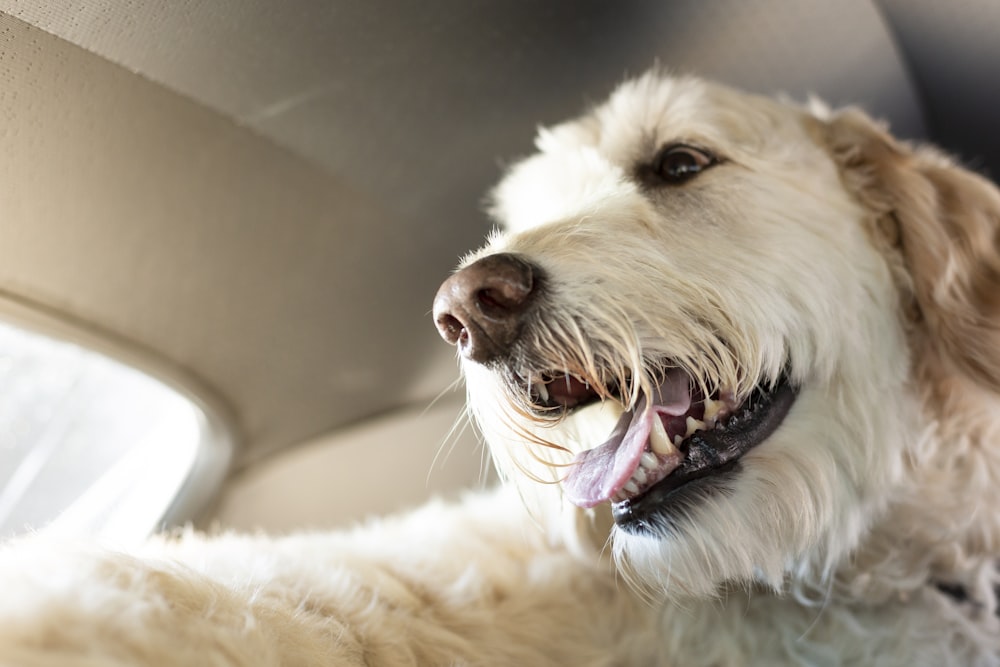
(738, 364)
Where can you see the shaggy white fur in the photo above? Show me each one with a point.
(753, 246)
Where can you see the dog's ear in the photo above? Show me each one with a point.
(941, 224)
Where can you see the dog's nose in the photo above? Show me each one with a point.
(481, 307)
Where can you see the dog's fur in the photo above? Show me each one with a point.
(866, 269)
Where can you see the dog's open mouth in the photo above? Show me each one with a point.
(663, 444)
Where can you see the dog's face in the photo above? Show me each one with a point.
(696, 319)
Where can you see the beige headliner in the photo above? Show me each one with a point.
(264, 195)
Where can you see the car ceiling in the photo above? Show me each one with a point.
(264, 196)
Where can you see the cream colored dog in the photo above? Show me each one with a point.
(739, 365)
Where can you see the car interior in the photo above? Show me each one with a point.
(222, 223)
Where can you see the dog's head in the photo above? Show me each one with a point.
(701, 320)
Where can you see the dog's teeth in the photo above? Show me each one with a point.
(659, 442)
(542, 390)
(678, 439)
(631, 487)
(712, 409)
(639, 477)
(648, 460)
(693, 425)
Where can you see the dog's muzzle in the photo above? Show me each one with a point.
(482, 307)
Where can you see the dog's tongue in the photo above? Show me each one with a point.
(598, 473)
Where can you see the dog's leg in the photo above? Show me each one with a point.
(469, 584)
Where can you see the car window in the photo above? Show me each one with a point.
(89, 445)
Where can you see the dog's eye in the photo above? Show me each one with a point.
(679, 163)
